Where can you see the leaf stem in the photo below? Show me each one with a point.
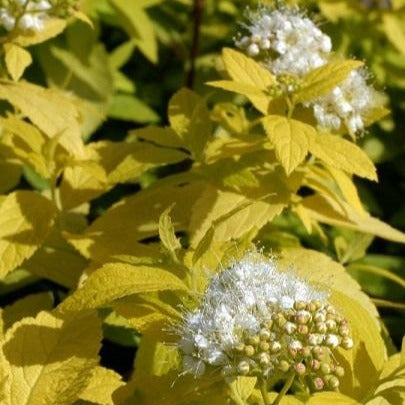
(287, 386)
(197, 13)
(264, 392)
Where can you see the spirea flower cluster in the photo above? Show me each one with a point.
(30, 15)
(287, 42)
(256, 321)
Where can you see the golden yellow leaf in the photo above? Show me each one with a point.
(51, 111)
(245, 70)
(17, 60)
(166, 232)
(348, 189)
(28, 306)
(324, 209)
(25, 220)
(81, 183)
(393, 25)
(291, 138)
(164, 136)
(103, 383)
(56, 364)
(247, 75)
(342, 154)
(324, 79)
(335, 398)
(52, 28)
(117, 280)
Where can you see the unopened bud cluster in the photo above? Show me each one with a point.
(254, 320)
(300, 340)
(30, 15)
(287, 42)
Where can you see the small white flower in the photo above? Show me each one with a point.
(30, 22)
(6, 19)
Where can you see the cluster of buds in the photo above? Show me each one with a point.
(289, 43)
(30, 15)
(299, 340)
(286, 84)
(254, 320)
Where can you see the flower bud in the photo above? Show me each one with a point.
(249, 350)
(302, 317)
(320, 317)
(331, 324)
(332, 341)
(298, 305)
(283, 366)
(243, 368)
(300, 369)
(303, 329)
(264, 334)
(264, 359)
(339, 371)
(264, 346)
(325, 368)
(321, 327)
(333, 382)
(344, 330)
(253, 340)
(319, 384)
(275, 347)
(240, 347)
(315, 364)
(347, 343)
(305, 351)
(290, 328)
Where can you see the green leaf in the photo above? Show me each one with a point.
(129, 108)
(324, 79)
(25, 220)
(17, 60)
(117, 280)
(292, 140)
(139, 27)
(393, 26)
(334, 398)
(342, 154)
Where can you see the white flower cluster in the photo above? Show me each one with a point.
(26, 15)
(288, 42)
(254, 318)
(348, 103)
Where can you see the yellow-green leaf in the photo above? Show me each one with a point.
(103, 383)
(17, 60)
(291, 138)
(117, 280)
(334, 398)
(48, 109)
(25, 220)
(323, 209)
(166, 232)
(245, 70)
(342, 154)
(50, 359)
(28, 306)
(324, 79)
(393, 25)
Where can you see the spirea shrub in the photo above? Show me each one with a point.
(161, 245)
